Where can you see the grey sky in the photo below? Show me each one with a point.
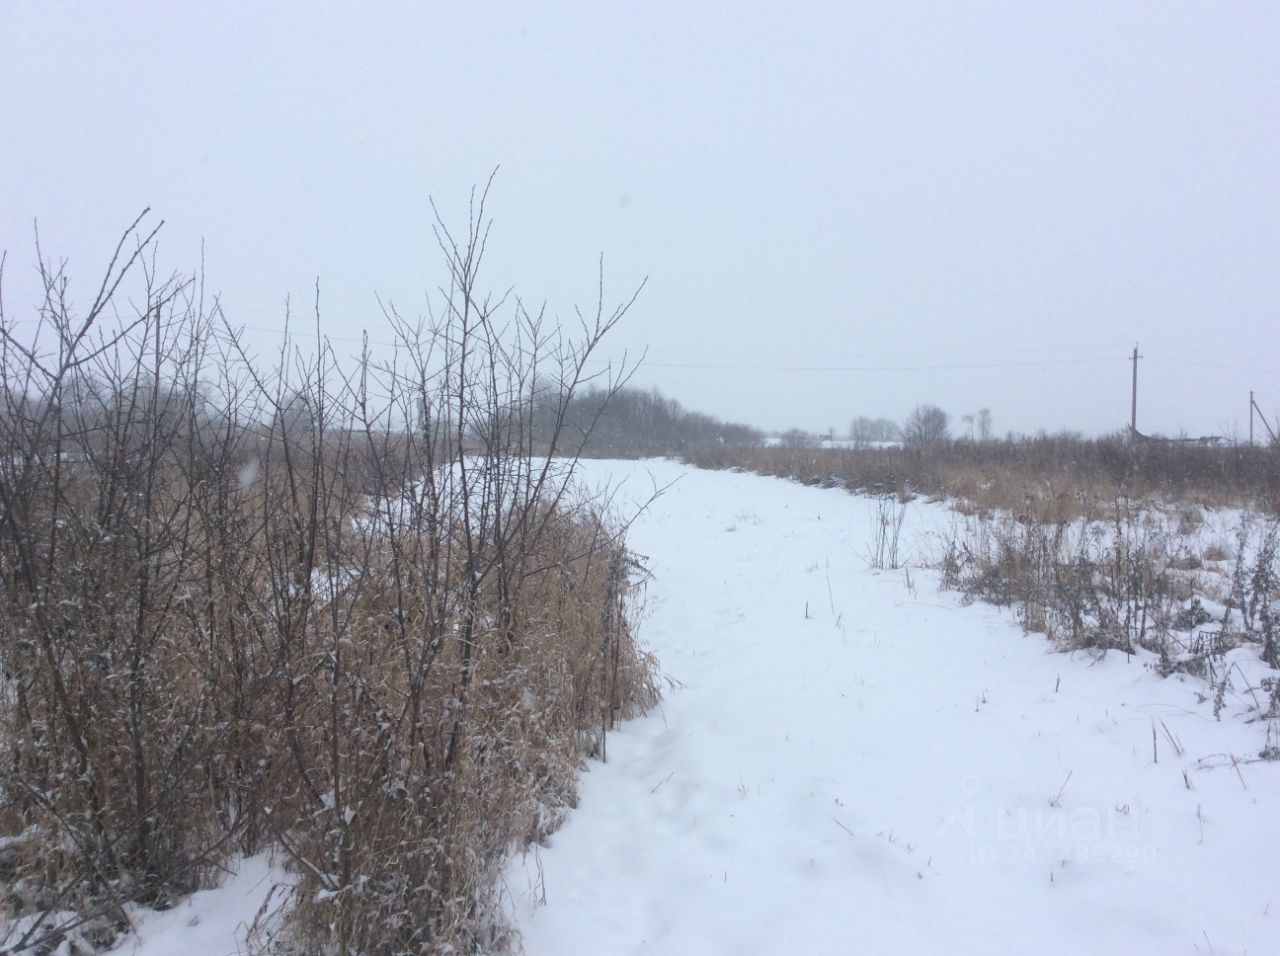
(842, 209)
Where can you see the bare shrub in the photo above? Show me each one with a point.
(340, 611)
(1083, 586)
(1255, 591)
(1115, 584)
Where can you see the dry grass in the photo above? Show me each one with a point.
(487, 760)
(276, 620)
(1093, 543)
(1046, 480)
(1216, 552)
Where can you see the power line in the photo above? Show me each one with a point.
(827, 354)
(937, 367)
(1222, 368)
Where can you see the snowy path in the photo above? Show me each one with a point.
(894, 774)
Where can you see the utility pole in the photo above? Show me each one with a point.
(1253, 406)
(1133, 408)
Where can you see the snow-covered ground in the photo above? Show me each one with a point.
(852, 761)
(214, 922)
(849, 760)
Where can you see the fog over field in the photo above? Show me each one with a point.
(841, 209)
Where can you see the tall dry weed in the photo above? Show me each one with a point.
(338, 611)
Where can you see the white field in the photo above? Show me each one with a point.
(850, 760)
(895, 773)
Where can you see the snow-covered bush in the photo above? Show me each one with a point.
(379, 636)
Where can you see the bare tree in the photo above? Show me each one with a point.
(799, 438)
(926, 425)
(984, 424)
(864, 430)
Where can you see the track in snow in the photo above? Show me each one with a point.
(895, 773)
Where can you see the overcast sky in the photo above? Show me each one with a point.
(841, 209)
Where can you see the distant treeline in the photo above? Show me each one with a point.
(635, 422)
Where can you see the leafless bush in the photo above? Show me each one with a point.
(341, 611)
(1255, 591)
(1087, 585)
(1115, 583)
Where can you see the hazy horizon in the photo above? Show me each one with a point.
(840, 210)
